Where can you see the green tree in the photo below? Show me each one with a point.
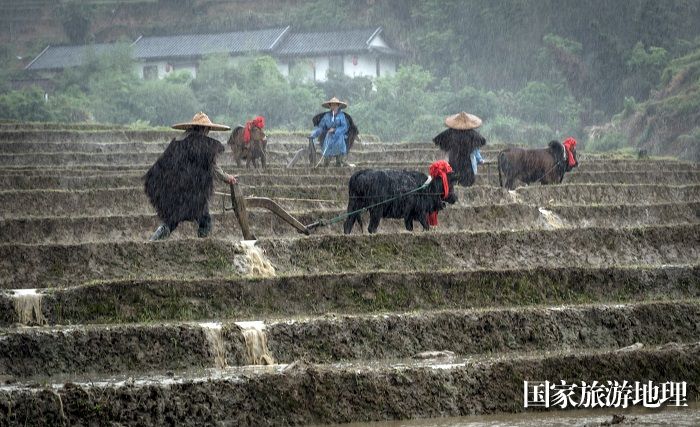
(26, 105)
(76, 18)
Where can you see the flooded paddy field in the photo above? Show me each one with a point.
(594, 279)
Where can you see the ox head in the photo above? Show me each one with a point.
(257, 134)
(459, 144)
(436, 187)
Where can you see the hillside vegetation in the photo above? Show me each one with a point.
(534, 70)
(668, 123)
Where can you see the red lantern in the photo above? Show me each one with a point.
(354, 60)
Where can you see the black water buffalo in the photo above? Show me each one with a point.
(372, 187)
(546, 165)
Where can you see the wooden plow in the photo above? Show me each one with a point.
(240, 204)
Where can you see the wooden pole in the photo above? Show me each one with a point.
(238, 202)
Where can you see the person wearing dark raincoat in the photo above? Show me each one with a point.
(181, 182)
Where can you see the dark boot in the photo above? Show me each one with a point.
(326, 161)
(162, 232)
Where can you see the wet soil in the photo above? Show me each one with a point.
(36, 352)
(33, 352)
(39, 266)
(304, 394)
(133, 201)
(76, 181)
(606, 252)
(371, 292)
(77, 229)
(501, 249)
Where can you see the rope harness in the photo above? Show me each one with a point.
(336, 219)
(548, 171)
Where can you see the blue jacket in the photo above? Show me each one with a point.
(334, 144)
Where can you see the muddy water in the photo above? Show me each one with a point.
(213, 334)
(255, 262)
(255, 337)
(27, 304)
(551, 220)
(670, 416)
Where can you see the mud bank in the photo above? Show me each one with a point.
(83, 229)
(24, 266)
(390, 336)
(149, 153)
(133, 201)
(77, 350)
(22, 181)
(134, 179)
(81, 147)
(373, 292)
(490, 168)
(39, 266)
(501, 249)
(35, 352)
(121, 201)
(305, 394)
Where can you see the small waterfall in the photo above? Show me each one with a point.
(256, 343)
(216, 343)
(28, 306)
(256, 263)
(551, 219)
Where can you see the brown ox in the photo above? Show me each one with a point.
(251, 152)
(546, 165)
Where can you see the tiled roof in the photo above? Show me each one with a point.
(66, 56)
(328, 42)
(203, 44)
(275, 41)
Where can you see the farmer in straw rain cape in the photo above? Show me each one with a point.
(335, 125)
(181, 182)
(460, 140)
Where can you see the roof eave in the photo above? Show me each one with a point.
(374, 34)
(37, 57)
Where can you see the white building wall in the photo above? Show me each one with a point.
(365, 65)
(165, 68)
(387, 67)
(322, 65)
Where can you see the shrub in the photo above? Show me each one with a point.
(610, 141)
(25, 105)
(163, 103)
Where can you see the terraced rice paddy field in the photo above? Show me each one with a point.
(594, 279)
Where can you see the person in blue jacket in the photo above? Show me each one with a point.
(334, 126)
(476, 159)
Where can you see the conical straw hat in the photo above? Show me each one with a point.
(463, 121)
(200, 119)
(334, 100)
